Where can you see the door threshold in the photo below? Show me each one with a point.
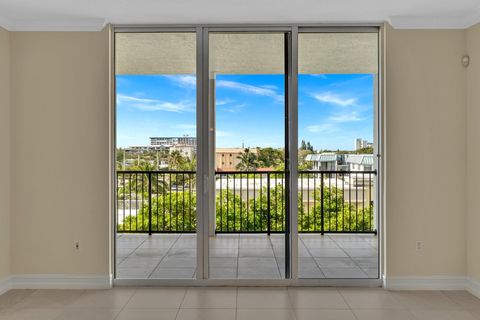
(247, 283)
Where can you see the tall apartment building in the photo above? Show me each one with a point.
(173, 141)
(360, 144)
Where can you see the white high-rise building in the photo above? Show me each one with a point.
(360, 144)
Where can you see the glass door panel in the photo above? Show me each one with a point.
(337, 89)
(155, 76)
(247, 126)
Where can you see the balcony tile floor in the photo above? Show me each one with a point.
(231, 303)
(246, 256)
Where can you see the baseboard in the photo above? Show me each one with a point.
(425, 283)
(473, 286)
(5, 285)
(60, 281)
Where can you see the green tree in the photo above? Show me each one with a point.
(270, 157)
(248, 161)
(303, 145)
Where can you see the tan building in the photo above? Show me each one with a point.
(227, 159)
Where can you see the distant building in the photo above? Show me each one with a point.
(360, 144)
(173, 141)
(188, 151)
(359, 162)
(141, 149)
(341, 162)
(327, 161)
(227, 159)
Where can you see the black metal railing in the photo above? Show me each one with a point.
(246, 201)
(156, 201)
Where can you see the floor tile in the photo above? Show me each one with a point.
(328, 253)
(249, 252)
(173, 273)
(259, 273)
(362, 253)
(210, 298)
(115, 298)
(137, 262)
(425, 300)
(359, 298)
(383, 314)
(223, 273)
(206, 314)
(336, 262)
(223, 252)
(422, 314)
(90, 314)
(12, 297)
(223, 262)
(49, 299)
(156, 298)
(324, 314)
(265, 314)
(262, 298)
(316, 298)
(176, 251)
(134, 272)
(339, 273)
(147, 314)
(30, 314)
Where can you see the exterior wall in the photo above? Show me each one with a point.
(425, 182)
(473, 153)
(60, 90)
(5, 154)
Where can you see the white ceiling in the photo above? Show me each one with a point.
(94, 14)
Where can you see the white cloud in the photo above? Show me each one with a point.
(223, 102)
(323, 76)
(328, 97)
(346, 117)
(248, 88)
(186, 80)
(235, 108)
(153, 104)
(322, 128)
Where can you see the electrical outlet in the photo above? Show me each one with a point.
(76, 245)
(419, 246)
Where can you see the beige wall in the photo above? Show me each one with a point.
(4, 154)
(60, 152)
(473, 153)
(426, 152)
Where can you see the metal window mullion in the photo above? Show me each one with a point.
(202, 157)
(293, 149)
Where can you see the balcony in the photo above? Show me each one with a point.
(336, 223)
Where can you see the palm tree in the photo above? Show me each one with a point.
(175, 160)
(248, 161)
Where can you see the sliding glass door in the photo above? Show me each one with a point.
(156, 155)
(337, 94)
(247, 81)
(246, 154)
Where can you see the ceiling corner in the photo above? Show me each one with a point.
(473, 17)
(5, 23)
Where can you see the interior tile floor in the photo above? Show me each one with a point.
(246, 256)
(226, 303)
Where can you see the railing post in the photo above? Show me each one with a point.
(149, 175)
(321, 205)
(268, 204)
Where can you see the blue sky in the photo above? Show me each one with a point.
(333, 109)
